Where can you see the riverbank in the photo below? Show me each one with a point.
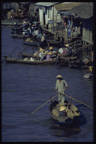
(10, 22)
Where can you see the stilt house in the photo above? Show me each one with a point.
(85, 12)
(47, 12)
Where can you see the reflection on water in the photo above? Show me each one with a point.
(62, 130)
(59, 131)
(67, 130)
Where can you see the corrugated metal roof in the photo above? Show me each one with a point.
(66, 6)
(46, 4)
(84, 10)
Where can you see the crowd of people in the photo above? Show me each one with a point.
(45, 55)
(53, 54)
(30, 30)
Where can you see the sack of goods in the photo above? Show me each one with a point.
(31, 59)
(28, 40)
(55, 112)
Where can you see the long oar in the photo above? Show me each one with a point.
(9, 54)
(20, 51)
(42, 105)
(77, 101)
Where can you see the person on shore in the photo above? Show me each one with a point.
(61, 86)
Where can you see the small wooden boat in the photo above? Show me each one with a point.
(88, 75)
(24, 55)
(32, 43)
(64, 113)
(35, 43)
(30, 61)
(77, 66)
(20, 36)
(62, 62)
(54, 43)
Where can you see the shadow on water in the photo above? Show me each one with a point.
(61, 131)
(67, 130)
(64, 132)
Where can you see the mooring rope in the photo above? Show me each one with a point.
(10, 53)
(19, 52)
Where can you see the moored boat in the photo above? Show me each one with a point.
(34, 43)
(53, 42)
(62, 62)
(31, 43)
(24, 55)
(88, 75)
(77, 66)
(20, 36)
(30, 61)
(64, 113)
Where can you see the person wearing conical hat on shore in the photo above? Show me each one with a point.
(61, 86)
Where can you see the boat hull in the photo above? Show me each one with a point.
(31, 43)
(54, 43)
(89, 75)
(77, 66)
(17, 36)
(37, 62)
(63, 119)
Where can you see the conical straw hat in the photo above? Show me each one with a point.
(62, 108)
(67, 45)
(59, 76)
(50, 48)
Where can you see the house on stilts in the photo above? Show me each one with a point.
(84, 13)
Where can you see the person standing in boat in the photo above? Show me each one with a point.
(61, 86)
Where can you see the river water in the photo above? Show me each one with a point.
(26, 87)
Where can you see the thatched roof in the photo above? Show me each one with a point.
(84, 10)
(66, 6)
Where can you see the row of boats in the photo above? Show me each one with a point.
(30, 59)
(68, 60)
(71, 60)
(62, 113)
(33, 61)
